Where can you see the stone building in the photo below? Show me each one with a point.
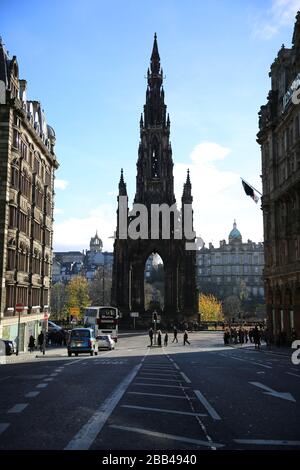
(279, 138)
(232, 268)
(28, 162)
(68, 264)
(154, 186)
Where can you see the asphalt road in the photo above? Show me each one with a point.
(197, 397)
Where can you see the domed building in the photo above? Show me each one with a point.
(235, 234)
(232, 267)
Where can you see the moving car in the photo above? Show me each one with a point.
(82, 340)
(105, 342)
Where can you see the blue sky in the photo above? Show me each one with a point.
(86, 62)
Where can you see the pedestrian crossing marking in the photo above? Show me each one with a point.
(110, 361)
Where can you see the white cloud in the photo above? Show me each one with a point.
(281, 13)
(112, 193)
(76, 232)
(218, 196)
(61, 184)
(218, 199)
(57, 210)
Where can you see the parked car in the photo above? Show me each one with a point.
(10, 346)
(54, 327)
(82, 340)
(105, 342)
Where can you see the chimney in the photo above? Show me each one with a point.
(23, 89)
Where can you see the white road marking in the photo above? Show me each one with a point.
(88, 433)
(295, 375)
(270, 442)
(32, 394)
(163, 410)
(160, 395)
(170, 369)
(18, 408)
(158, 385)
(4, 378)
(250, 362)
(140, 376)
(270, 391)
(48, 380)
(155, 374)
(161, 435)
(185, 378)
(176, 365)
(3, 427)
(53, 375)
(207, 405)
(42, 385)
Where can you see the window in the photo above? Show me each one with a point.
(13, 217)
(23, 150)
(10, 297)
(14, 177)
(25, 185)
(37, 232)
(11, 259)
(47, 237)
(38, 197)
(22, 295)
(35, 296)
(23, 223)
(16, 139)
(22, 260)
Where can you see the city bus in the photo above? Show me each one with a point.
(104, 320)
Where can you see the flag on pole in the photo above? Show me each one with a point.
(250, 191)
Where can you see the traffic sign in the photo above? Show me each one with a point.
(134, 314)
(74, 311)
(19, 307)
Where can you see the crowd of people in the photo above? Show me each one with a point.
(53, 338)
(166, 337)
(243, 335)
(257, 334)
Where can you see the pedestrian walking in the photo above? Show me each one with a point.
(31, 344)
(256, 337)
(175, 335)
(41, 341)
(159, 338)
(185, 338)
(151, 336)
(166, 339)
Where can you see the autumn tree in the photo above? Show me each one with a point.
(210, 308)
(77, 294)
(100, 287)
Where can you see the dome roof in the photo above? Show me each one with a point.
(50, 131)
(235, 234)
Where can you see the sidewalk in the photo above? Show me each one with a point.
(282, 351)
(52, 352)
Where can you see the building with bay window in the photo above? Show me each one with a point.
(27, 165)
(279, 138)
